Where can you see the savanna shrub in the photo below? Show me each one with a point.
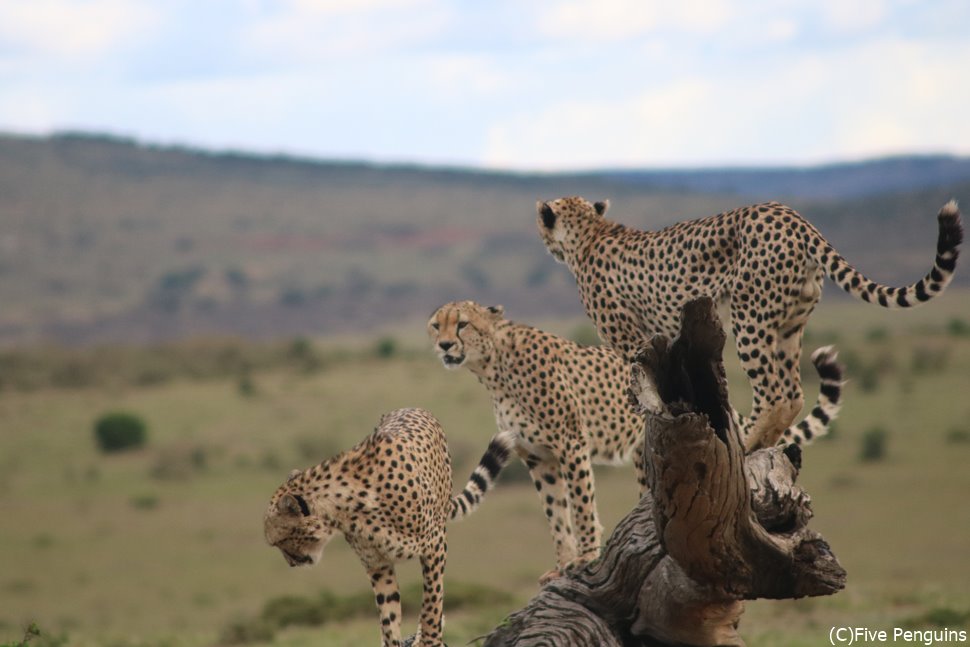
(385, 348)
(874, 443)
(120, 431)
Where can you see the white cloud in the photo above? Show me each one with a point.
(472, 73)
(856, 15)
(66, 29)
(653, 125)
(885, 97)
(907, 97)
(780, 30)
(553, 84)
(309, 31)
(609, 20)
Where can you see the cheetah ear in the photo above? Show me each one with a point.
(548, 215)
(601, 207)
(498, 311)
(293, 475)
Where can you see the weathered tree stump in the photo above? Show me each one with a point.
(716, 528)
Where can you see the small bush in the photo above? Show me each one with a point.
(302, 353)
(868, 379)
(242, 632)
(120, 431)
(245, 385)
(327, 607)
(958, 328)
(144, 501)
(289, 610)
(878, 334)
(927, 361)
(386, 348)
(469, 595)
(940, 617)
(958, 436)
(34, 636)
(874, 445)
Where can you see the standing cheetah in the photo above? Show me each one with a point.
(390, 496)
(568, 408)
(765, 260)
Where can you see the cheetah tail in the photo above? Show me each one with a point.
(483, 477)
(935, 281)
(827, 407)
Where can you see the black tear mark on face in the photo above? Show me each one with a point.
(548, 216)
(304, 508)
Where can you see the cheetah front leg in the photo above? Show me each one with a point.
(800, 302)
(432, 601)
(383, 580)
(578, 468)
(551, 486)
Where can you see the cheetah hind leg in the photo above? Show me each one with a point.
(551, 486)
(768, 408)
(587, 530)
(788, 357)
(801, 301)
(552, 489)
(824, 411)
(432, 601)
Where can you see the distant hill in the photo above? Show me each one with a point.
(108, 239)
(829, 182)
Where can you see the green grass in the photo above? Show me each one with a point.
(163, 545)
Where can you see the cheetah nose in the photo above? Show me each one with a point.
(445, 345)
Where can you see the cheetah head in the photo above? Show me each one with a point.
(461, 333)
(293, 525)
(564, 222)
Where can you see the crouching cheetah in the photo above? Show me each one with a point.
(390, 496)
(567, 407)
(765, 260)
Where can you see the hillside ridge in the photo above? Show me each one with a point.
(107, 239)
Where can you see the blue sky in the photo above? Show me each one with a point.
(523, 85)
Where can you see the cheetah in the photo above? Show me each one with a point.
(765, 260)
(567, 406)
(390, 496)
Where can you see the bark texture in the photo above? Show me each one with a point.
(716, 528)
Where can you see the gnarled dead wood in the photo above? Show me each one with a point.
(717, 527)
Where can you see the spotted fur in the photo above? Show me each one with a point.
(765, 260)
(566, 406)
(390, 496)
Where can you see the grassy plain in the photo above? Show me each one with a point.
(163, 546)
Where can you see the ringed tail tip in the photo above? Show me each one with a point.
(950, 209)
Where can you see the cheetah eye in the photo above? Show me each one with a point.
(462, 324)
(304, 508)
(435, 325)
